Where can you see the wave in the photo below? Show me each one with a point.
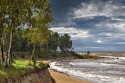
(107, 70)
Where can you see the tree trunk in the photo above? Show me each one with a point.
(33, 54)
(1, 47)
(9, 48)
(47, 48)
(11, 56)
(8, 60)
(2, 52)
(1, 41)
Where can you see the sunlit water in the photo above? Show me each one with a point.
(106, 70)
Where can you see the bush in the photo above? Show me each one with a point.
(86, 56)
(95, 57)
(80, 56)
(74, 53)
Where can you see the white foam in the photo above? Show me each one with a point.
(98, 76)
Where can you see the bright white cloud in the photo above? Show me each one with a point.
(98, 8)
(99, 41)
(73, 32)
(89, 10)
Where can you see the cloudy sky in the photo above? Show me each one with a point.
(95, 25)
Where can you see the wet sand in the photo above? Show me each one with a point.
(63, 78)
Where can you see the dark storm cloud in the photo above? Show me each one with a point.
(62, 9)
(93, 24)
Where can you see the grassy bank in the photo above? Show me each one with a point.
(19, 68)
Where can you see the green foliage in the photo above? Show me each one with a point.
(80, 57)
(19, 68)
(17, 40)
(65, 43)
(85, 56)
(77, 55)
(21, 55)
(39, 23)
(36, 35)
(57, 55)
(18, 13)
(53, 41)
(36, 16)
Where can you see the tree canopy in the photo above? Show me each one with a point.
(36, 14)
(24, 27)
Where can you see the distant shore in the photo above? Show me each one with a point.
(64, 78)
(101, 53)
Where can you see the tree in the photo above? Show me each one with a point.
(88, 53)
(53, 41)
(36, 37)
(18, 11)
(1, 48)
(17, 40)
(65, 43)
(3, 20)
(39, 24)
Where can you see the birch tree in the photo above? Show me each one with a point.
(18, 13)
(3, 21)
(39, 24)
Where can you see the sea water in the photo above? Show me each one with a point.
(106, 70)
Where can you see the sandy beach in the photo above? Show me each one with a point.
(63, 78)
(108, 69)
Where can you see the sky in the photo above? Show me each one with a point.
(94, 25)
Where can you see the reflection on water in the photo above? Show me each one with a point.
(106, 70)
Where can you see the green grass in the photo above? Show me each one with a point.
(19, 68)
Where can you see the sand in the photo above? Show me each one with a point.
(63, 78)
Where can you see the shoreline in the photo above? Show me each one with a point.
(64, 78)
(106, 60)
(61, 77)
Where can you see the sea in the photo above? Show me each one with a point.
(109, 68)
